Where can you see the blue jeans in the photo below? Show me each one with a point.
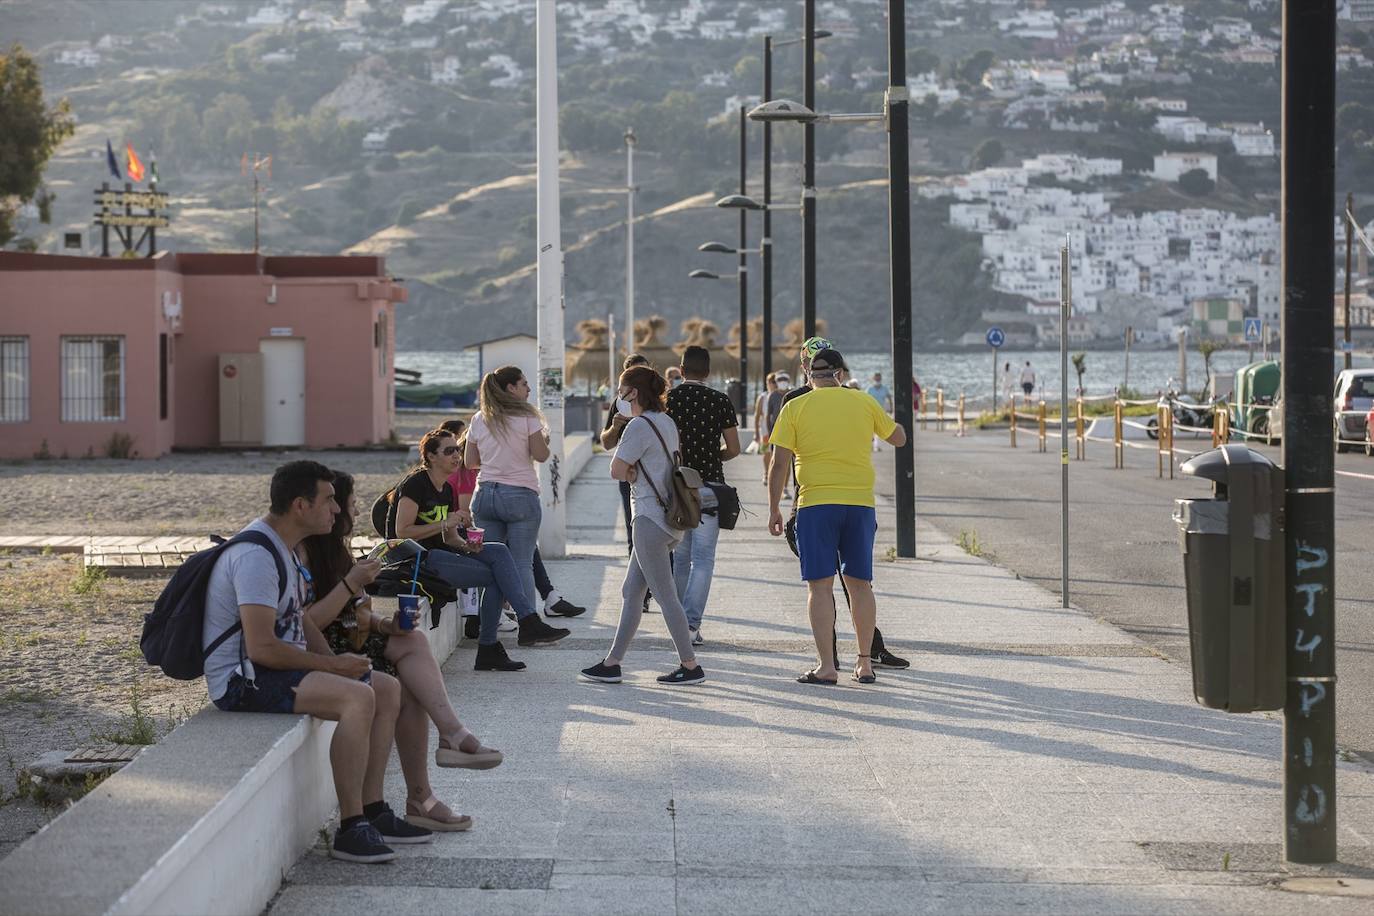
(492, 570)
(511, 515)
(694, 562)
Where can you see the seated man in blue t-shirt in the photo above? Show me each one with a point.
(281, 662)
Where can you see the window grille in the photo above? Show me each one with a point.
(92, 379)
(14, 379)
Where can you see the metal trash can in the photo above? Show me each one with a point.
(734, 390)
(1233, 565)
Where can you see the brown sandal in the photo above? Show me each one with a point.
(433, 814)
(484, 758)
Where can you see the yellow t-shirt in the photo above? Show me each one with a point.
(831, 432)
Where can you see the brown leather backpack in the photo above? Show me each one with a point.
(682, 504)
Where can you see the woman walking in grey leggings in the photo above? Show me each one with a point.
(643, 459)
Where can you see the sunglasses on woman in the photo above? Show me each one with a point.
(449, 450)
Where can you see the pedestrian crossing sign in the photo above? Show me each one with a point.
(1254, 329)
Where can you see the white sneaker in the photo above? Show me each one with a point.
(508, 625)
(696, 636)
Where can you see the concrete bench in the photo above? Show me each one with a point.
(206, 821)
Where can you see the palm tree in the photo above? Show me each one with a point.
(1207, 348)
(1080, 366)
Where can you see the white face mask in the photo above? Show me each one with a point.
(677, 380)
(624, 407)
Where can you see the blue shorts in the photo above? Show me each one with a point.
(830, 536)
(270, 691)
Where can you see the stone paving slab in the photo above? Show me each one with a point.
(1033, 759)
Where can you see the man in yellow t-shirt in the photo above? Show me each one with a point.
(828, 432)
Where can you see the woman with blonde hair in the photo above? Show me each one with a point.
(506, 437)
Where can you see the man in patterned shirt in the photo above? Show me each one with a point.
(704, 417)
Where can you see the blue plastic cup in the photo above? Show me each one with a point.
(409, 606)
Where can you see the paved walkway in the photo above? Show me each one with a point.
(1032, 759)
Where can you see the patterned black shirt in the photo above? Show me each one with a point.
(702, 415)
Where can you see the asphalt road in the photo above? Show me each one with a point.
(1125, 562)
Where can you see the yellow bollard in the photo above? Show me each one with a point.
(1080, 432)
(1011, 410)
(1042, 425)
(1170, 415)
(925, 410)
(962, 431)
(939, 410)
(1225, 426)
(1117, 442)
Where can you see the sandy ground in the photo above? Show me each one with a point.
(72, 669)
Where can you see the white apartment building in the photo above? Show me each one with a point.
(420, 13)
(1170, 166)
(446, 71)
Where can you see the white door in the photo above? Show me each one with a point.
(283, 390)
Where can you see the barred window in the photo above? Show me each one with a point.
(14, 379)
(92, 379)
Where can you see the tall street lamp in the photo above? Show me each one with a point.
(741, 275)
(894, 116)
(630, 143)
(767, 242)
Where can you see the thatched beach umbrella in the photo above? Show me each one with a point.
(588, 359)
(649, 342)
(698, 332)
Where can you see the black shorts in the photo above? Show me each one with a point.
(270, 691)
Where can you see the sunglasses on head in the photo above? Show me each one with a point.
(449, 450)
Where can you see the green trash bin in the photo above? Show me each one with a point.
(1233, 551)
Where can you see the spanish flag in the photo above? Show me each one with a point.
(132, 166)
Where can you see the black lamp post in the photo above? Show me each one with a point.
(894, 116)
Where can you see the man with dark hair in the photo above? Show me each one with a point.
(828, 431)
(281, 663)
(705, 418)
(881, 656)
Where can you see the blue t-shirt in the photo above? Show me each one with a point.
(247, 574)
(879, 393)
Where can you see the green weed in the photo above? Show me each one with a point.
(88, 579)
(968, 542)
(137, 728)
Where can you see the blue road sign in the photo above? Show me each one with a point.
(995, 337)
(1254, 330)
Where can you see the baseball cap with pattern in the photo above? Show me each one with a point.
(813, 345)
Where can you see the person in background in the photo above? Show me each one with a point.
(706, 424)
(782, 384)
(1027, 379)
(878, 392)
(423, 504)
(673, 376)
(464, 483)
(828, 432)
(1008, 383)
(346, 619)
(279, 662)
(617, 416)
(642, 458)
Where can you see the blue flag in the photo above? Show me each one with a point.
(110, 161)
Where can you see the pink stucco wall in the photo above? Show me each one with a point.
(332, 303)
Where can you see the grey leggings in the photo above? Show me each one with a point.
(650, 569)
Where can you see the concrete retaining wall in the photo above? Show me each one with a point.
(206, 821)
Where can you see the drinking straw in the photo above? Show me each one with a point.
(415, 575)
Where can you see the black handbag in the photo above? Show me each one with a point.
(727, 505)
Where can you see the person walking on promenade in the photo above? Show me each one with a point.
(1008, 385)
(782, 383)
(346, 619)
(881, 655)
(643, 458)
(704, 418)
(828, 432)
(617, 416)
(1027, 379)
(506, 438)
(878, 392)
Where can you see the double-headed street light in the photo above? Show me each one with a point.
(894, 118)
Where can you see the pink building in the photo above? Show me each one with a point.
(194, 351)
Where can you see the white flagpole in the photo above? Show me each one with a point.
(553, 483)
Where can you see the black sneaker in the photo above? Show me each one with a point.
(395, 830)
(535, 632)
(684, 678)
(472, 627)
(885, 659)
(494, 658)
(564, 608)
(360, 843)
(602, 673)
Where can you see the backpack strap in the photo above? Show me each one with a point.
(262, 540)
(671, 463)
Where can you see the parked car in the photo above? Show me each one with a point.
(1354, 400)
(1266, 419)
